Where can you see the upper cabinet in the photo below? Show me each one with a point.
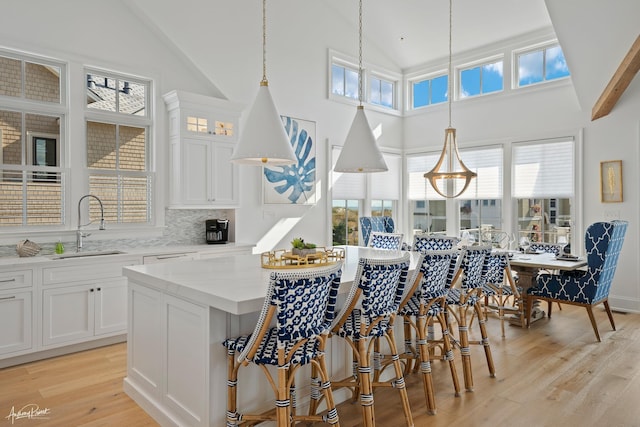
(202, 135)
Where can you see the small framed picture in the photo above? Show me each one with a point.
(611, 181)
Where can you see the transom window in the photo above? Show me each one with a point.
(540, 65)
(344, 81)
(429, 91)
(382, 92)
(481, 79)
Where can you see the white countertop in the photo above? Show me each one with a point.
(235, 284)
(23, 262)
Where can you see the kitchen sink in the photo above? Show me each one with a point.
(87, 254)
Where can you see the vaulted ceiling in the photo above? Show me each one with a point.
(595, 35)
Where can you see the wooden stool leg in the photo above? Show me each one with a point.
(425, 365)
(448, 353)
(366, 388)
(314, 395)
(283, 404)
(485, 340)
(399, 381)
(232, 389)
(332, 414)
(464, 347)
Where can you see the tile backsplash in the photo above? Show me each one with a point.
(182, 227)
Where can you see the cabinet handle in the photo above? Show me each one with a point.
(99, 289)
(13, 279)
(170, 256)
(91, 290)
(11, 297)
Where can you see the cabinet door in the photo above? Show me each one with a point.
(111, 307)
(196, 173)
(67, 314)
(225, 175)
(15, 318)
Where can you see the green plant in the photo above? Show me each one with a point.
(299, 243)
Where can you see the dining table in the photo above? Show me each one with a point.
(528, 265)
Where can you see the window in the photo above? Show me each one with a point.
(481, 79)
(32, 177)
(429, 91)
(355, 195)
(118, 146)
(543, 189)
(344, 81)
(540, 65)
(481, 204)
(427, 209)
(43, 150)
(345, 220)
(382, 92)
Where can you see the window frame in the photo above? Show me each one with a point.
(25, 106)
(368, 72)
(119, 119)
(515, 60)
(480, 63)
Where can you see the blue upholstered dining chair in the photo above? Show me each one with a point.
(588, 288)
(368, 314)
(550, 248)
(434, 242)
(419, 309)
(383, 224)
(466, 294)
(391, 241)
(302, 304)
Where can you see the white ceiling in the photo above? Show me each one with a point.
(414, 32)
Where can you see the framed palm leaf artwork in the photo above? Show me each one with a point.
(294, 184)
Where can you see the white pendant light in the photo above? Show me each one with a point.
(450, 177)
(263, 140)
(360, 152)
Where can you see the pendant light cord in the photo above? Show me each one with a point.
(450, 71)
(360, 54)
(264, 41)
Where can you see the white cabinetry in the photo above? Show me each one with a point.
(202, 136)
(84, 311)
(16, 311)
(168, 347)
(81, 302)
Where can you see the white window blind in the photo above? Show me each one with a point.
(346, 186)
(543, 169)
(487, 163)
(386, 185)
(419, 187)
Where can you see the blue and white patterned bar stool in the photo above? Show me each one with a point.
(434, 242)
(500, 288)
(391, 241)
(419, 309)
(466, 294)
(302, 304)
(369, 312)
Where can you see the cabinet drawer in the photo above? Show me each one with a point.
(85, 271)
(15, 279)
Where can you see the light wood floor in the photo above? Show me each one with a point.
(551, 375)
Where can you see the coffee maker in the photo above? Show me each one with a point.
(217, 230)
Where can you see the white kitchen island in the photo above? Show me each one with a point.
(179, 315)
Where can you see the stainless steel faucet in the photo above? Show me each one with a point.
(79, 233)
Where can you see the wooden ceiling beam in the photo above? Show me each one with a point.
(618, 83)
